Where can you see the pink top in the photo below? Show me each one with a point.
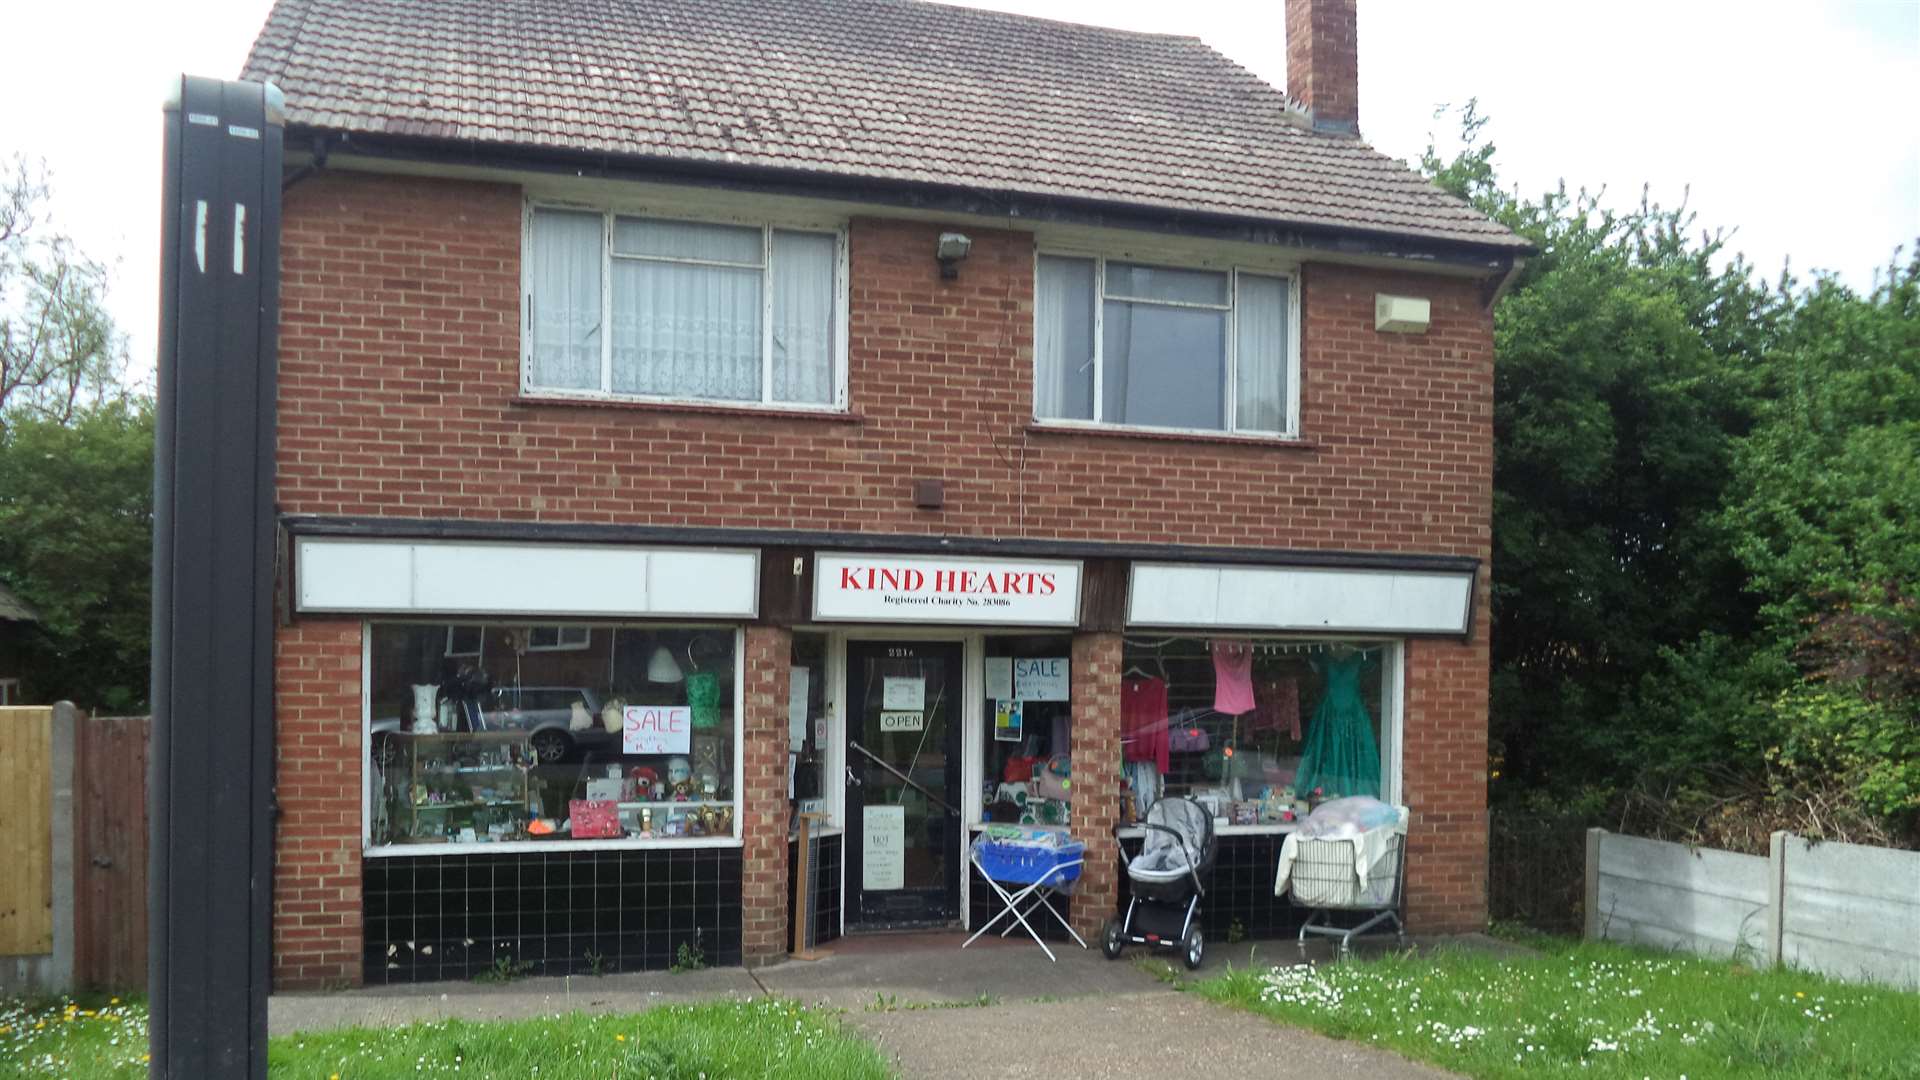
(1232, 677)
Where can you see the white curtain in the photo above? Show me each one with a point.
(1261, 364)
(1063, 340)
(685, 329)
(803, 305)
(565, 305)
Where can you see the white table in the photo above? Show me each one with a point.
(1026, 900)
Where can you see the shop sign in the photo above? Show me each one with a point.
(1041, 680)
(903, 721)
(657, 729)
(894, 588)
(883, 847)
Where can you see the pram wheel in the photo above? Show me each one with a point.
(1110, 940)
(1192, 948)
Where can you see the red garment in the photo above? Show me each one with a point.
(1232, 677)
(1277, 708)
(1143, 721)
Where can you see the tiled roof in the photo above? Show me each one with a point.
(896, 90)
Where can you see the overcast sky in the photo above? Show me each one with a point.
(1791, 121)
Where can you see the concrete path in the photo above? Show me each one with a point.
(936, 1010)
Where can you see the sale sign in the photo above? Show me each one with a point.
(657, 729)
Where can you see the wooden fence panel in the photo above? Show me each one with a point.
(110, 946)
(26, 845)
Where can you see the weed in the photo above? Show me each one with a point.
(691, 957)
(596, 962)
(505, 969)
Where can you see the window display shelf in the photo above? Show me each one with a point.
(684, 804)
(470, 804)
(1135, 832)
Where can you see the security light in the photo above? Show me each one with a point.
(952, 248)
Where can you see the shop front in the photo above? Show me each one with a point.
(585, 757)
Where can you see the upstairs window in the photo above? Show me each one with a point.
(1132, 345)
(652, 309)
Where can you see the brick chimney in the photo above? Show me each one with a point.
(1323, 63)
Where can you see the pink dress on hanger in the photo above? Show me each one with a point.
(1143, 721)
(1232, 677)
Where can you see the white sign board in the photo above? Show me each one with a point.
(903, 721)
(799, 682)
(883, 847)
(900, 588)
(657, 729)
(904, 692)
(1041, 680)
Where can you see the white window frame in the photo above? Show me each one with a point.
(1234, 272)
(561, 633)
(478, 628)
(767, 227)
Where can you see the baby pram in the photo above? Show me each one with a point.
(1164, 883)
(1348, 856)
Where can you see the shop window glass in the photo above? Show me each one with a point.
(489, 733)
(807, 723)
(1027, 766)
(1255, 729)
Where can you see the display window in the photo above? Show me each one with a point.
(1027, 733)
(487, 734)
(1257, 730)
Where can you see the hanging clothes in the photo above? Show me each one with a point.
(1341, 757)
(1232, 677)
(1143, 721)
(1277, 707)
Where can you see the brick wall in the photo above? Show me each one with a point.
(399, 396)
(1096, 791)
(316, 880)
(763, 797)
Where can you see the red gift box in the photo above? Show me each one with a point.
(594, 819)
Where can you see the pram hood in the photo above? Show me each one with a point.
(1164, 856)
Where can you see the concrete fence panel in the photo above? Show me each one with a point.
(1843, 910)
(1851, 911)
(1670, 896)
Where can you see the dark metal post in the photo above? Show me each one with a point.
(212, 759)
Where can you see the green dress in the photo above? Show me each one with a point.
(1342, 757)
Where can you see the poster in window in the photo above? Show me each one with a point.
(657, 729)
(1007, 721)
(883, 847)
(904, 693)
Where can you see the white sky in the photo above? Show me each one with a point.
(1791, 121)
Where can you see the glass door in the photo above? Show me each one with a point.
(903, 782)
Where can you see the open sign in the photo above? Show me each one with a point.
(657, 729)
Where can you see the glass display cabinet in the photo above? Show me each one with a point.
(452, 787)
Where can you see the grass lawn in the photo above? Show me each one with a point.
(714, 1040)
(1593, 1010)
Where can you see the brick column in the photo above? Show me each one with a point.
(318, 775)
(1445, 782)
(1096, 776)
(763, 797)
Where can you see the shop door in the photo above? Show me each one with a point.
(903, 783)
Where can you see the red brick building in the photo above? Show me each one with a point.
(693, 414)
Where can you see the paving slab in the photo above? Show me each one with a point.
(918, 969)
(1117, 1037)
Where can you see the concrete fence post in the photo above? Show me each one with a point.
(1773, 949)
(1591, 900)
(64, 765)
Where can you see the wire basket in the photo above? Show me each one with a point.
(1323, 876)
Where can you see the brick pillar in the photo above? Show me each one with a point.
(1445, 782)
(763, 797)
(318, 773)
(1096, 776)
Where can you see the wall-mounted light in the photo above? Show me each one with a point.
(1401, 314)
(952, 248)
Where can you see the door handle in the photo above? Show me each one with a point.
(852, 780)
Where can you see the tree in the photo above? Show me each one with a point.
(76, 542)
(59, 351)
(1615, 407)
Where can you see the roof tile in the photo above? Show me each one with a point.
(897, 90)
